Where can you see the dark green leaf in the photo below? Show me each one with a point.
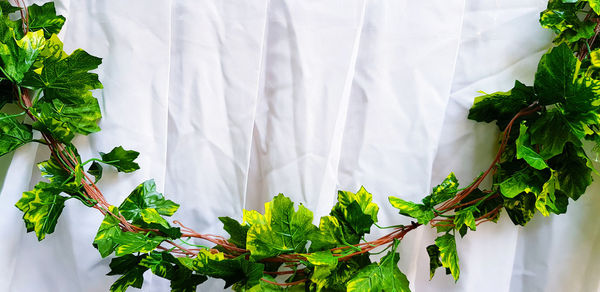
(501, 106)
(551, 132)
(145, 196)
(237, 271)
(434, 259)
(7, 94)
(528, 180)
(44, 17)
(95, 170)
(356, 213)
(13, 134)
(581, 105)
(524, 150)
(7, 8)
(484, 207)
(237, 232)
(121, 159)
(132, 273)
(555, 74)
(574, 171)
(521, 208)
(184, 280)
(162, 264)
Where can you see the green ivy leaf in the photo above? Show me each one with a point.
(145, 196)
(434, 259)
(282, 229)
(329, 235)
(81, 119)
(526, 180)
(95, 170)
(449, 257)
(56, 128)
(385, 276)
(546, 196)
(41, 208)
(551, 132)
(160, 263)
(581, 106)
(68, 182)
(13, 134)
(6, 8)
(68, 79)
(237, 232)
(465, 217)
(132, 273)
(121, 159)
(44, 18)
(184, 280)
(108, 232)
(130, 242)
(442, 192)
(524, 150)
(153, 220)
(362, 198)
(485, 207)
(237, 271)
(501, 106)
(555, 74)
(356, 213)
(422, 213)
(19, 55)
(165, 265)
(268, 287)
(521, 208)
(574, 170)
(324, 263)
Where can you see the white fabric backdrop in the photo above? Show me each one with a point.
(231, 102)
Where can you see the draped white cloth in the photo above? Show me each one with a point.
(231, 102)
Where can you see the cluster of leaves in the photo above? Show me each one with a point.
(570, 20)
(281, 230)
(544, 164)
(540, 167)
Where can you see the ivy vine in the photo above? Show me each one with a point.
(540, 166)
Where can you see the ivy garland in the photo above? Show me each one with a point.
(540, 165)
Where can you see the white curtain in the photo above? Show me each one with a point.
(231, 102)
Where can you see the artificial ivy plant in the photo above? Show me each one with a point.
(540, 166)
